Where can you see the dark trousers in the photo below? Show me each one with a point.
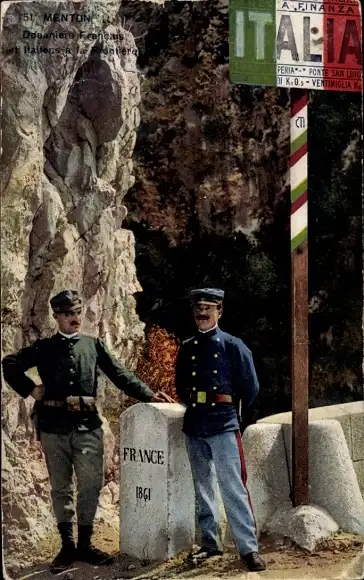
(83, 452)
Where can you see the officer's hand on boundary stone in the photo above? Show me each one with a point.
(37, 393)
(162, 398)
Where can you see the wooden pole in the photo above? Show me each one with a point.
(299, 281)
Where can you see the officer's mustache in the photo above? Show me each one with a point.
(202, 317)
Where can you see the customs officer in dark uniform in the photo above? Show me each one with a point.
(68, 423)
(214, 371)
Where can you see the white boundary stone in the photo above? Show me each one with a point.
(157, 503)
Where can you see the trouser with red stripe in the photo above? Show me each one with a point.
(219, 459)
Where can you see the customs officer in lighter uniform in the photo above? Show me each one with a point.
(68, 423)
(214, 372)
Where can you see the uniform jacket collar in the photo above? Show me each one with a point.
(209, 333)
(60, 337)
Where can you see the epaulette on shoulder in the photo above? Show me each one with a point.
(187, 340)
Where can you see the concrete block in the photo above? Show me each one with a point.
(341, 413)
(357, 430)
(266, 464)
(277, 419)
(305, 525)
(336, 413)
(359, 470)
(157, 501)
(355, 407)
(333, 484)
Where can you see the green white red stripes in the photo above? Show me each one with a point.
(296, 44)
(298, 167)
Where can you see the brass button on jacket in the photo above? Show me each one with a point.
(223, 365)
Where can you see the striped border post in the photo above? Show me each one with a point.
(299, 286)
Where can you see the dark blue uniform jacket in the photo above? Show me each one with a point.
(214, 362)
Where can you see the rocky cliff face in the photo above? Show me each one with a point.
(69, 125)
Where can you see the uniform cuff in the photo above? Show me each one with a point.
(148, 394)
(26, 388)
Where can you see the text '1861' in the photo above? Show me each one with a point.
(143, 493)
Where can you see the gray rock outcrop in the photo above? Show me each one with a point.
(69, 123)
(305, 525)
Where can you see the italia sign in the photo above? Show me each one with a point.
(294, 44)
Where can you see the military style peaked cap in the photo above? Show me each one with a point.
(66, 301)
(212, 295)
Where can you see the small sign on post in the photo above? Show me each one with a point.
(298, 45)
(319, 45)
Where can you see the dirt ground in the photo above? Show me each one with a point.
(284, 562)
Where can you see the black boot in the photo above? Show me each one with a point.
(254, 562)
(67, 554)
(88, 553)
